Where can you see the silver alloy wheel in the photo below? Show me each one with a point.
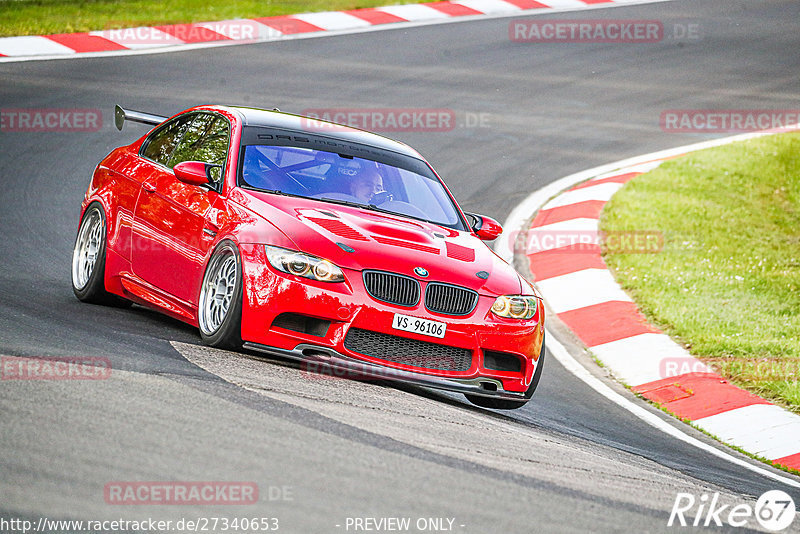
(219, 288)
(87, 248)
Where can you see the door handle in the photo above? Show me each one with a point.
(147, 186)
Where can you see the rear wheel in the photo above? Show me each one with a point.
(89, 260)
(219, 311)
(506, 404)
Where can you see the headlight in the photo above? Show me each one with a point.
(305, 265)
(515, 306)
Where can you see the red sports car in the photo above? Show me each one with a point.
(310, 240)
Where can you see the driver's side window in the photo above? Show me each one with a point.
(161, 143)
(205, 140)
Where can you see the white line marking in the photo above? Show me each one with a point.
(489, 6)
(602, 192)
(414, 12)
(17, 46)
(763, 429)
(563, 4)
(581, 289)
(333, 20)
(562, 234)
(645, 358)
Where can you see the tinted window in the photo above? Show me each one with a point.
(206, 140)
(159, 146)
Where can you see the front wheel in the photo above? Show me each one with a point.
(219, 312)
(506, 404)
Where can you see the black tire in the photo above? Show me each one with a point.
(221, 323)
(89, 260)
(506, 404)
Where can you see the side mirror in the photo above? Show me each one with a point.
(485, 227)
(197, 172)
(193, 172)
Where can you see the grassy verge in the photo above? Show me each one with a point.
(727, 283)
(41, 17)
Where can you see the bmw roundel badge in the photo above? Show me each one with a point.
(420, 271)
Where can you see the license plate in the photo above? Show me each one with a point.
(416, 325)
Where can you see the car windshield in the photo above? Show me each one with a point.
(339, 178)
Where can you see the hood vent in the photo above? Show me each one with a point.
(405, 244)
(457, 252)
(338, 228)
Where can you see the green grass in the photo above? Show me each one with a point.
(39, 17)
(727, 283)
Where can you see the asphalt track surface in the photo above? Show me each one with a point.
(569, 461)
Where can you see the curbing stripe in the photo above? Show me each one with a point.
(333, 20)
(83, 42)
(771, 432)
(454, 9)
(707, 395)
(239, 30)
(581, 289)
(587, 209)
(616, 178)
(617, 333)
(288, 25)
(639, 359)
(528, 4)
(565, 260)
(607, 322)
(570, 232)
(566, 4)
(602, 192)
(32, 45)
(792, 461)
(173, 37)
(192, 33)
(489, 7)
(414, 12)
(138, 38)
(375, 17)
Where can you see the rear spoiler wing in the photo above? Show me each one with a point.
(121, 115)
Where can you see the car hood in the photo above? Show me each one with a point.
(360, 239)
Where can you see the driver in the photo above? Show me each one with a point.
(366, 184)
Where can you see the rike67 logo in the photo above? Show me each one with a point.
(775, 511)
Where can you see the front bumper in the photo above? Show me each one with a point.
(269, 294)
(323, 360)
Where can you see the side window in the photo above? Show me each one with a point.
(162, 142)
(206, 140)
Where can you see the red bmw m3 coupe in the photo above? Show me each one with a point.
(310, 240)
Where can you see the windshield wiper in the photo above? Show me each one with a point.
(273, 192)
(349, 203)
